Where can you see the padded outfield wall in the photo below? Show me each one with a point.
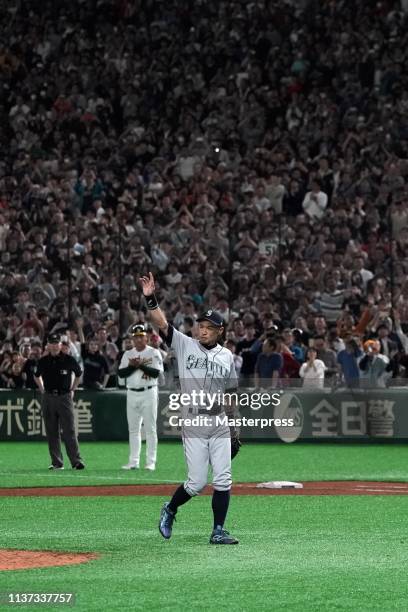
(316, 415)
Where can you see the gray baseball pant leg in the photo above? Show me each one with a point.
(52, 429)
(196, 451)
(67, 420)
(220, 461)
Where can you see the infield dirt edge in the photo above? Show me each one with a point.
(336, 487)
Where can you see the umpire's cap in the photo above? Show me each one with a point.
(54, 339)
(137, 330)
(213, 317)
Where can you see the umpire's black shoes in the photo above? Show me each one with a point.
(222, 536)
(78, 466)
(56, 467)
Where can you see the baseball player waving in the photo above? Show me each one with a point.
(206, 367)
(141, 367)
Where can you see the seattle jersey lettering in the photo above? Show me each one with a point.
(201, 363)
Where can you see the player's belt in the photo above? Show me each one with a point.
(55, 392)
(140, 388)
(214, 410)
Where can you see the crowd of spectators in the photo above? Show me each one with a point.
(252, 155)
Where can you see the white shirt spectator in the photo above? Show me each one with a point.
(366, 276)
(173, 278)
(159, 258)
(185, 165)
(315, 203)
(99, 213)
(275, 193)
(313, 376)
(261, 204)
(260, 201)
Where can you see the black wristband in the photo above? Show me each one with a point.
(151, 302)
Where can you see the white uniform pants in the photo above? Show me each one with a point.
(141, 407)
(202, 452)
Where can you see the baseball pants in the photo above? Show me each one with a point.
(58, 414)
(202, 453)
(141, 407)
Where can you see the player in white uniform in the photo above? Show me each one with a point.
(141, 366)
(204, 365)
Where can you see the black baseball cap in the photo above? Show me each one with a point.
(137, 330)
(54, 339)
(213, 317)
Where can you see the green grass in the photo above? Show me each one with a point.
(25, 464)
(296, 553)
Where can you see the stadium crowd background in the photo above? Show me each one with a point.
(252, 155)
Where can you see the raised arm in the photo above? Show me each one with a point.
(157, 316)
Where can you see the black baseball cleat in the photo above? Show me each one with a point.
(167, 518)
(222, 536)
(56, 467)
(78, 466)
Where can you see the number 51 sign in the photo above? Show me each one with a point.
(268, 247)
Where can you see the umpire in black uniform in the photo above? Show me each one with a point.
(55, 381)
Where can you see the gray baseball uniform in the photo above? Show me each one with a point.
(212, 371)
